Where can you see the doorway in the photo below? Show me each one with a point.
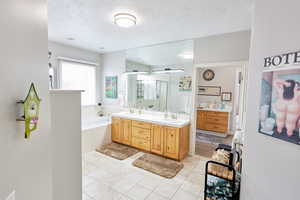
(222, 112)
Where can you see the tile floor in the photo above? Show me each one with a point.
(105, 178)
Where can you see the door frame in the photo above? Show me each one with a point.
(197, 66)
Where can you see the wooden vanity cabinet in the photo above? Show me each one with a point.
(212, 121)
(167, 141)
(201, 119)
(157, 139)
(141, 135)
(125, 131)
(116, 129)
(176, 142)
(171, 142)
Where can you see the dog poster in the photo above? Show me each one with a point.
(279, 115)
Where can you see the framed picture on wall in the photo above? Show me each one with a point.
(279, 114)
(185, 84)
(111, 87)
(209, 90)
(226, 96)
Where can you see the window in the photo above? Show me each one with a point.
(77, 76)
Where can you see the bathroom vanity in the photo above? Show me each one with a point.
(215, 120)
(158, 135)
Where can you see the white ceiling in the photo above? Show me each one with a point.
(90, 22)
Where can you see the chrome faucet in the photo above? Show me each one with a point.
(166, 115)
(140, 110)
(174, 115)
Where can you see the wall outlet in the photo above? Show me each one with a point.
(12, 196)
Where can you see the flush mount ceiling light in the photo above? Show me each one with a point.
(125, 20)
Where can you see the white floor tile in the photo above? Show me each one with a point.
(182, 195)
(192, 188)
(91, 156)
(96, 190)
(138, 192)
(106, 178)
(196, 178)
(123, 197)
(109, 194)
(110, 179)
(124, 185)
(98, 174)
(167, 189)
(154, 196)
(150, 182)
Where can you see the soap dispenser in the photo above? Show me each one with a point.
(100, 110)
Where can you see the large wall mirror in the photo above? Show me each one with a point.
(159, 77)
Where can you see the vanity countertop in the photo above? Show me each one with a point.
(178, 123)
(228, 110)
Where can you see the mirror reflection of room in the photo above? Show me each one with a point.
(157, 75)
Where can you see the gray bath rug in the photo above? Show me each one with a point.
(158, 165)
(117, 151)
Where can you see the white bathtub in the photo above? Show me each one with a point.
(96, 132)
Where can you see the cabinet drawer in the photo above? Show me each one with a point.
(141, 143)
(216, 114)
(217, 120)
(216, 128)
(141, 133)
(141, 124)
(115, 119)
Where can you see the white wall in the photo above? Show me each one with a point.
(271, 166)
(225, 77)
(25, 164)
(222, 48)
(66, 142)
(61, 50)
(113, 64)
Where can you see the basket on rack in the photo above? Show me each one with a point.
(222, 177)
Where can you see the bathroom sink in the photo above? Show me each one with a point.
(171, 120)
(153, 119)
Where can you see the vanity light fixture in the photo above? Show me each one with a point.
(136, 72)
(125, 20)
(187, 56)
(168, 70)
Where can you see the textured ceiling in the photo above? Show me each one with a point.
(90, 22)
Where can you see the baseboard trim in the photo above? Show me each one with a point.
(212, 133)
